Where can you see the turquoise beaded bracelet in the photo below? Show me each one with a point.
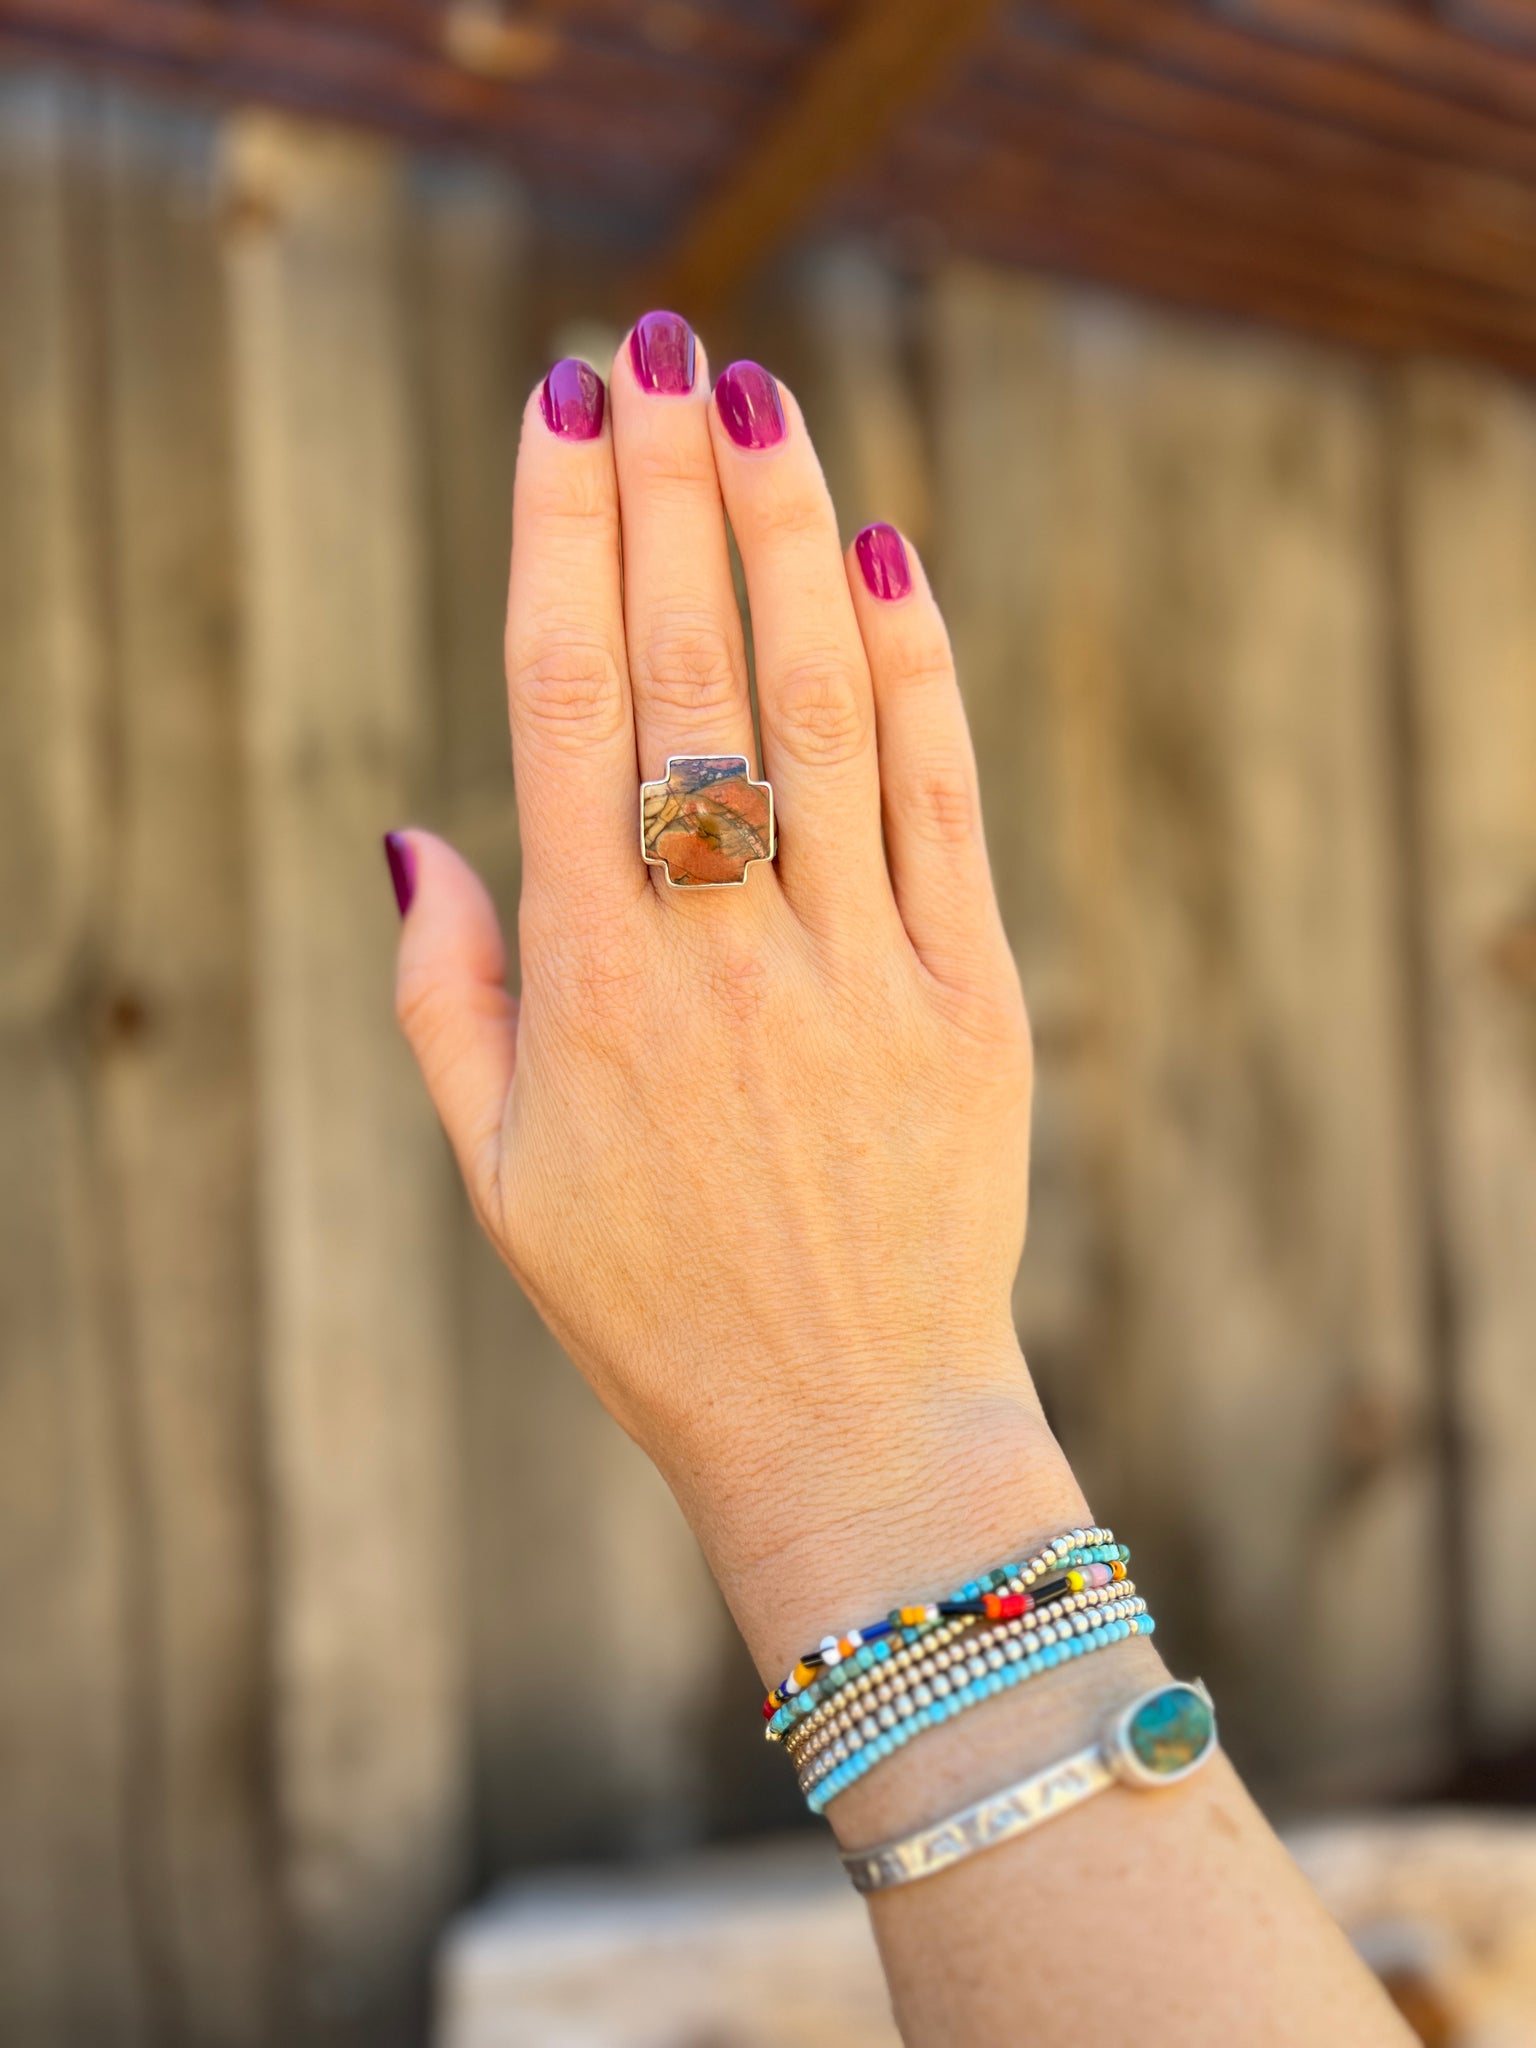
(890, 1740)
(874, 1696)
(947, 1673)
(838, 1657)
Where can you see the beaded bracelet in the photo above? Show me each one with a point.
(946, 1671)
(873, 1656)
(1074, 1548)
(949, 1616)
(859, 1683)
(849, 1773)
(936, 1651)
(939, 1681)
(833, 1649)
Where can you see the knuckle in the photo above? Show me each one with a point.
(676, 470)
(792, 517)
(568, 682)
(423, 1015)
(943, 805)
(569, 497)
(919, 666)
(821, 711)
(587, 971)
(691, 664)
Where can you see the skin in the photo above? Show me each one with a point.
(759, 1156)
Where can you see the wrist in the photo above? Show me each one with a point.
(876, 1498)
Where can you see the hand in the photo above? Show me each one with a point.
(758, 1155)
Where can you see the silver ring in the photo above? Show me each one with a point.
(706, 822)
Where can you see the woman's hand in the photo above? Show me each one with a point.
(759, 1154)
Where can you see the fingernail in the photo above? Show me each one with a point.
(661, 350)
(883, 559)
(571, 400)
(748, 399)
(401, 855)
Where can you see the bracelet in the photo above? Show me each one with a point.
(1050, 1597)
(1076, 1547)
(887, 1694)
(1158, 1740)
(848, 1773)
(970, 1673)
(951, 1616)
(933, 1653)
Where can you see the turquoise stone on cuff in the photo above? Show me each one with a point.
(1171, 1731)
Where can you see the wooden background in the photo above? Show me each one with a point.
(295, 1495)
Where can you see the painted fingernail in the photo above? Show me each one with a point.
(571, 400)
(661, 351)
(401, 855)
(883, 559)
(748, 399)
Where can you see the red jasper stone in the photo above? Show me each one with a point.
(707, 822)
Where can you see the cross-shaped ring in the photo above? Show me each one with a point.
(707, 821)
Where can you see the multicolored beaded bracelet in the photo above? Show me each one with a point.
(939, 1682)
(874, 1656)
(848, 1773)
(867, 1656)
(936, 1676)
(840, 1696)
(920, 1623)
(1075, 1548)
(871, 1691)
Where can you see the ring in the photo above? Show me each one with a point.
(706, 821)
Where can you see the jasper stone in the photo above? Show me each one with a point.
(707, 821)
(1172, 1731)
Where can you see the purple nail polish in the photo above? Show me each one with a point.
(571, 400)
(401, 855)
(883, 559)
(661, 352)
(748, 399)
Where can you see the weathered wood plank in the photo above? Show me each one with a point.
(71, 1962)
(1469, 500)
(368, 1651)
(178, 1086)
(587, 1747)
(1007, 498)
(1203, 698)
(1276, 1376)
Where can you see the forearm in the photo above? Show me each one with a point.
(1166, 1917)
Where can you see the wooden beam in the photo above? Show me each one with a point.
(1364, 98)
(1447, 56)
(1511, 22)
(890, 53)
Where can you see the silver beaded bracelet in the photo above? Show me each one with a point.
(1160, 1739)
(948, 1671)
(952, 1643)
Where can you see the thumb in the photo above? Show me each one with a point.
(452, 1001)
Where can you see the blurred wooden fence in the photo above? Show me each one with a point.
(295, 1494)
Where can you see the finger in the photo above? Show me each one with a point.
(813, 688)
(932, 809)
(452, 1001)
(682, 626)
(573, 745)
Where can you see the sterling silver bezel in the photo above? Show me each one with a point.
(1128, 1766)
(656, 861)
